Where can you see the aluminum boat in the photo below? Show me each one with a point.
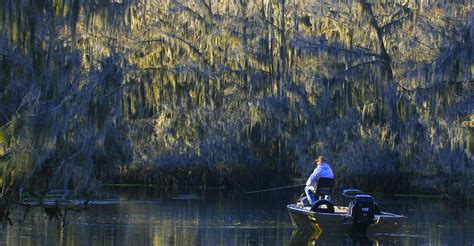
(341, 220)
(361, 216)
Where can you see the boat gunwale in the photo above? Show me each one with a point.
(383, 215)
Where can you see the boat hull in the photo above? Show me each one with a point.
(340, 220)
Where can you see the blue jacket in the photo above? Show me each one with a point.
(323, 170)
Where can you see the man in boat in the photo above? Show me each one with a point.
(322, 170)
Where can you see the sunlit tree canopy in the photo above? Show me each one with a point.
(101, 90)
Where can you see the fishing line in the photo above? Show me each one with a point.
(263, 190)
(277, 188)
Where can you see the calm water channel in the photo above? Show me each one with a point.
(146, 216)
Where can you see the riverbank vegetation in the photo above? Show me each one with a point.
(208, 92)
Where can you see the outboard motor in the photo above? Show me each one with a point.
(362, 209)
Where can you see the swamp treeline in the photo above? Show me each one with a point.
(196, 92)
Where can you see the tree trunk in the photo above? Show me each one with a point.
(388, 90)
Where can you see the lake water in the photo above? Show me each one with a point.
(147, 216)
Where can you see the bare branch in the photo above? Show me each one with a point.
(309, 44)
(362, 64)
(194, 13)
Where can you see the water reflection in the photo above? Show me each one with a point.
(152, 217)
(319, 238)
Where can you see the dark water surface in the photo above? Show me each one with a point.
(147, 216)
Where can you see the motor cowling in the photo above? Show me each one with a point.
(363, 209)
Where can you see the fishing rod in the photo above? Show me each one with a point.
(264, 190)
(272, 189)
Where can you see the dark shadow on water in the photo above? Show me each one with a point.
(319, 238)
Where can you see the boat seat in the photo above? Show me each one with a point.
(322, 190)
(323, 187)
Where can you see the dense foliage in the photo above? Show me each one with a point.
(196, 91)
